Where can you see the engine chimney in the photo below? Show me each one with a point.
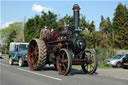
(76, 16)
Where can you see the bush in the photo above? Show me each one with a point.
(103, 54)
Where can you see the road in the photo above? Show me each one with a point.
(14, 75)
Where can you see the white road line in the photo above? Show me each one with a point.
(4, 64)
(40, 74)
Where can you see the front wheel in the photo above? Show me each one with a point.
(118, 65)
(91, 62)
(64, 62)
(20, 62)
(10, 61)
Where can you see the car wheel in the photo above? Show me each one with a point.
(55, 67)
(0, 57)
(20, 62)
(118, 65)
(10, 61)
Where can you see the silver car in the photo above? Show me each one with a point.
(115, 61)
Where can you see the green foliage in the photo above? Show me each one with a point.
(86, 25)
(34, 25)
(91, 27)
(83, 23)
(65, 21)
(4, 49)
(104, 53)
(120, 27)
(105, 25)
(11, 33)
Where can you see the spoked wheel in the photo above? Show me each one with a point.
(37, 54)
(91, 64)
(64, 62)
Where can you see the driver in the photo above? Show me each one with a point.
(44, 32)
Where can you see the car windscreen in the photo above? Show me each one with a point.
(23, 47)
(118, 57)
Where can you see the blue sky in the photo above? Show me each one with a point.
(15, 10)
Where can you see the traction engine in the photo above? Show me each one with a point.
(62, 49)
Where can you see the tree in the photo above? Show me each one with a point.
(120, 27)
(66, 20)
(83, 23)
(11, 33)
(102, 24)
(34, 25)
(91, 27)
(105, 25)
(49, 19)
(109, 25)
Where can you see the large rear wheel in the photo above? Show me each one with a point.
(64, 62)
(92, 62)
(37, 54)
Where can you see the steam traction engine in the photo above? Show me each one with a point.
(63, 49)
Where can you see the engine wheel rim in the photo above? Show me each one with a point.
(33, 54)
(91, 64)
(62, 62)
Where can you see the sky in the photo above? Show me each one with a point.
(15, 10)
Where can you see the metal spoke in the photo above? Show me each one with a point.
(65, 61)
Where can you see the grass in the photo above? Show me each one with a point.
(99, 67)
(4, 54)
(76, 66)
(105, 67)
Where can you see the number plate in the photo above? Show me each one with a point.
(125, 63)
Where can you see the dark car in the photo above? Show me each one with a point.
(125, 62)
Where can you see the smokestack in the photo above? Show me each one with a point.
(76, 9)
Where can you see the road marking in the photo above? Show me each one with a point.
(4, 65)
(40, 74)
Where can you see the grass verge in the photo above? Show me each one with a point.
(99, 67)
(4, 54)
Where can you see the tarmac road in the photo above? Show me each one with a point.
(14, 75)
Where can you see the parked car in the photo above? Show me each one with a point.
(0, 55)
(116, 61)
(18, 53)
(125, 62)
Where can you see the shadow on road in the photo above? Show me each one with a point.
(72, 72)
